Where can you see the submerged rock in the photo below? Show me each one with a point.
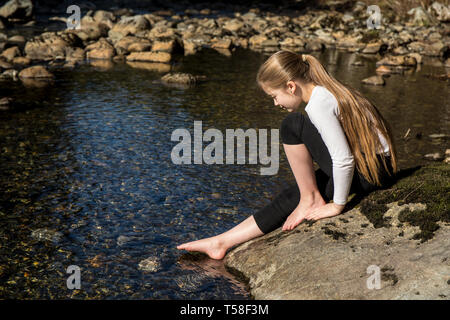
(374, 80)
(181, 78)
(338, 257)
(151, 264)
(44, 234)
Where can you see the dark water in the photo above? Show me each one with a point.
(89, 157)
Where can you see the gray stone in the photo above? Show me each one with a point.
(331, 259)
(151, 264)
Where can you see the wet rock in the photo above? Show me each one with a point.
(151, 66)
(5, 103)
(162, 57)
(10, 53)
(436, 48)
(350, 43)
(101, 49)
(438, 136)
(372, 48)
(10, 74)
(234, 25)
(44, 234)
(383, 70)
(159, 32)
(314, 45)
(74, 55)
(129, 26)
(437, 156)
(289, 42)
(407, 61)
(122, 46)
(420, 17)
(165, 46)
(181, 78)
(151, 264)
(140, 46)
(105, 17)
(256, 41)
(17, 39)
(17, 10)
(35, 72)
(4, 64)
(441, 11)
(447, 156)
(91, 29)
(221, 43)
(51, 45)
(23, 61)
(122, 240)
(374, 80)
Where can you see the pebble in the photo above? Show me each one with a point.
(437, 135)
(44, 234)
(374, 80)
(437, 156)
(151, 264)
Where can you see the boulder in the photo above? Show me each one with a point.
(405, 60)
(35, 72)
(181, 78)
(436, 48)
(374, 80)
(441, 11)
(129, 26)
(392, 244)
(101, 49)
(51, 45)
(10, 53)
(150, 56)
(162, 45)
(17, 10)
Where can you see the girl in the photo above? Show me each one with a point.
(343, 130)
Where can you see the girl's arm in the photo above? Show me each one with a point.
(323, 113)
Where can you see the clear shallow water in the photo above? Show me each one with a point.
(89, 157)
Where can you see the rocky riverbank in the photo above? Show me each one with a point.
(153, 40)
(403, 232)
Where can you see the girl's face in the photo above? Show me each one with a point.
(288, 99)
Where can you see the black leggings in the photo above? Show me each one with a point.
(298, 129)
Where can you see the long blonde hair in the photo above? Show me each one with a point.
(358, 116)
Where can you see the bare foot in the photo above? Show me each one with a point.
(213, 247)
(301, 211)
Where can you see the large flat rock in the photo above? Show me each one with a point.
(331, 259)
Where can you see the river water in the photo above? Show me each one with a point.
(90, 157)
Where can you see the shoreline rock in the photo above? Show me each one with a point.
(333, 258)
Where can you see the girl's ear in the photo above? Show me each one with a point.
(291, 86)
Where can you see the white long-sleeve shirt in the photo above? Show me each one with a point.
(323, 111)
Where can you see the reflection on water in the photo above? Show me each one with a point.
(89, 157)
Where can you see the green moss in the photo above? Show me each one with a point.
(428, 184)
(370, 36)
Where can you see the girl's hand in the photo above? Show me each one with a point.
(326, 211)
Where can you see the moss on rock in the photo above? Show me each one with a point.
(428, 184)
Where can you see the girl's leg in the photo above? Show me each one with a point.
(216, 247)
(274, 214)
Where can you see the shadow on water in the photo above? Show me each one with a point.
(89, 160)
